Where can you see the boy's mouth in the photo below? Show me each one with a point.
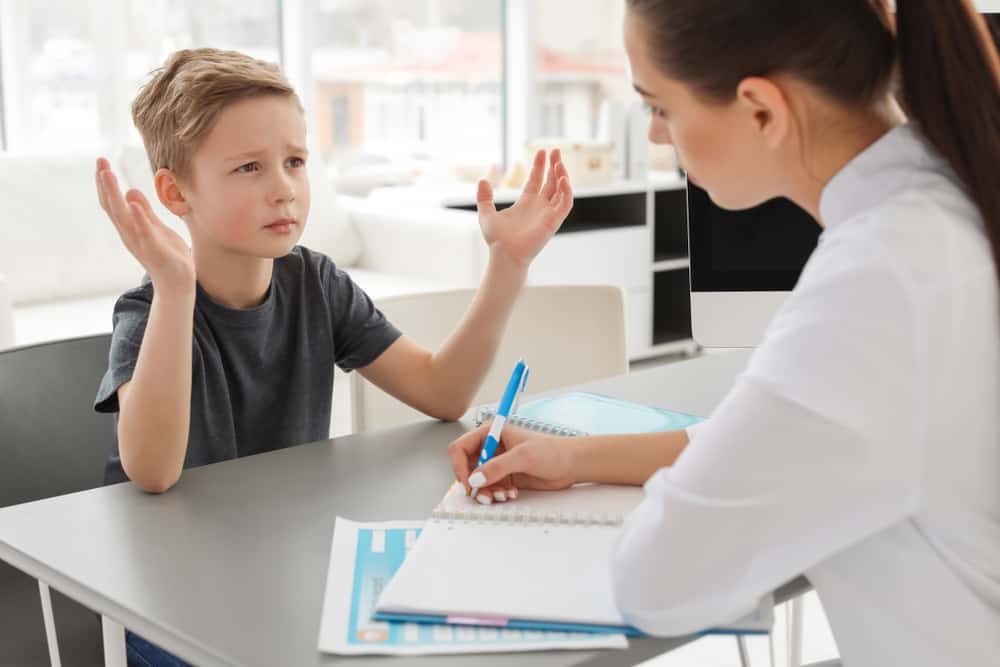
(281, 225)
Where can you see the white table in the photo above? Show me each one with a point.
(229, 566)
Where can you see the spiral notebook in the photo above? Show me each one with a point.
(541, 563)
(581, 413)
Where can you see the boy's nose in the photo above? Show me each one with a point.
(282, 190)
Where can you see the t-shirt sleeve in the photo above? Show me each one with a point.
(361, 333)
(130, 316)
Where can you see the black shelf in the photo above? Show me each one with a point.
(596, 213)
(667, 256)
(670, 238)
(671, 306)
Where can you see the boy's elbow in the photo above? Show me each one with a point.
(448, 414)
(156, 485)
(152, 481)
(453, 410)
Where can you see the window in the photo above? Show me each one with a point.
(412, 82)
(416, 86)
(580, 64)
(581, 73)
(71, 69)
(50, 75)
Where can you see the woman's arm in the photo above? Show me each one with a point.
(528, 460)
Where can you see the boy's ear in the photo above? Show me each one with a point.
(168, 190)
(767, 108)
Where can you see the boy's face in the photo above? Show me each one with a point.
(248, 191)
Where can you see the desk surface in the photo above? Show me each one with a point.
(229, 566)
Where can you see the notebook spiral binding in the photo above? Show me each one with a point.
(487, 412)
(526, 515)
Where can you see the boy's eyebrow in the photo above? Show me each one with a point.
(242, 156)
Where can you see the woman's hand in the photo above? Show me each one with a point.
(161, 251)
(521, 231)
(523, 460)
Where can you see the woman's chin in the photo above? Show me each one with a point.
(733, 201)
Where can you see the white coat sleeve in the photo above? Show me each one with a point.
(816, 447)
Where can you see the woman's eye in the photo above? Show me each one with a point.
(247, 168)
(656, 111)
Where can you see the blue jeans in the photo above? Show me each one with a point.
(141, 653)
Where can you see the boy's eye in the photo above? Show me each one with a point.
(296, 162)
(247, 168)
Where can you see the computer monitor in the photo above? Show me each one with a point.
(743, 265)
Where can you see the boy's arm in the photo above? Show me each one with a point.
(155, 405)
(443, 384)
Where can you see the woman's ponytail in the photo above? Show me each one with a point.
(950, 74)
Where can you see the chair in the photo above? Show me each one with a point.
(567, 335)
(53, 443)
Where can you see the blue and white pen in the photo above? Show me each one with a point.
(515, 386)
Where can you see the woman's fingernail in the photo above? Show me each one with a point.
(484, 499)
(500, 496)
(512, 493)
(477, 479)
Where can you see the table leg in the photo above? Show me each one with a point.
(794, 620)
(50, 624)
(741, 643)
(114, 643)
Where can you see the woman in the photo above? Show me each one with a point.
(860, 447)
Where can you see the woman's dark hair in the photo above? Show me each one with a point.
(948, 65)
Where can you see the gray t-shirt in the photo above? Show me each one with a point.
(262, 378)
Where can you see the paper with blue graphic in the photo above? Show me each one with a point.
(363, 559)
(582, 413)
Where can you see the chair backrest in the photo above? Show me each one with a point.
(567, 334)
(51, 440)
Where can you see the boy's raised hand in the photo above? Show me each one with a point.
(161, 251)
(521, 231)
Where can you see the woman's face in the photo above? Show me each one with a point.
(716, 144)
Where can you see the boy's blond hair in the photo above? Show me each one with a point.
(180, 103)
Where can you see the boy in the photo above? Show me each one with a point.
(229, 349)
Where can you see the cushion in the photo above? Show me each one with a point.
(55, 320)
(378, 284)
(58, 243)
(6, 316)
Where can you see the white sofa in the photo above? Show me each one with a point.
(62, 265)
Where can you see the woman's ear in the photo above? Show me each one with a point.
(766, 108)
(168, 190)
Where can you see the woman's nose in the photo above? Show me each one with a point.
(658, 132)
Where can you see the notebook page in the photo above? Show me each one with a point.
(583, 503)
(556, 573)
